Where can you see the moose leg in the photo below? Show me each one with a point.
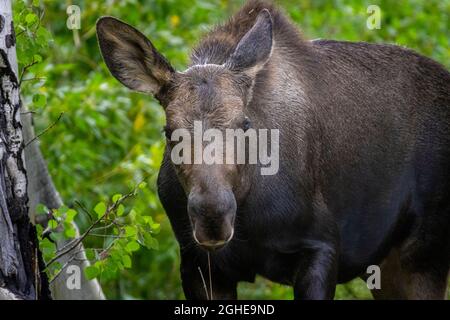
(408, 280)
(403, 283)
(317, 274)
(427, 286)
(393, 279)
(426, 279)
(196, 282)
(425, 255)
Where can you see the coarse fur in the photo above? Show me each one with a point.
(364, 172)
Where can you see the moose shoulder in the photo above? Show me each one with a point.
(364, 157)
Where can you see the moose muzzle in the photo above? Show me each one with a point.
(212, 216)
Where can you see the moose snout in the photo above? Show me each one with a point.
(212, 216)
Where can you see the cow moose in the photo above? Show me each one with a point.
(364, 157)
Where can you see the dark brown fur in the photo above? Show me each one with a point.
(364, 158)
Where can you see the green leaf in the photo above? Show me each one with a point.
(100, 209)
(37, 58)
(118, 264)
(57, 235)
(155, 227)
(149, 221)
(56, 266)
(47, 244)
(142, 185)
(52, 224)
(39, 100)
(91, 272)
(63, 208)
(48, 249)
(116, 197)
(39, 230)
(130, 231)
(132, 215)
(35, 3)
(31, 18)
(69, 232)
(132, 246)
(90, 254)
(126, 260)
(120, 210)
(57, 213)
(41, 209)
(70, 215)
(43, 34)
(109, 273)
(150, 242)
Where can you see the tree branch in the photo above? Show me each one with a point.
(45, 130)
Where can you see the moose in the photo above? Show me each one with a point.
(364, 157)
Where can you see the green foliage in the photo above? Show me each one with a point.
(123, 232)
(109, 139)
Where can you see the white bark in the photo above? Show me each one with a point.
(18, 273)
(7, 295)
(7, 35)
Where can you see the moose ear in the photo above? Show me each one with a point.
(255, 47)
(131, 57)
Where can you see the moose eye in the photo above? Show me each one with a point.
(246, 124)
(167, 132)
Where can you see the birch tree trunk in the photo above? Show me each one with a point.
(20, 259)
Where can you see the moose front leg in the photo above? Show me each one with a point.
(317, 273)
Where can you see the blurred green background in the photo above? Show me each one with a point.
(109, 138)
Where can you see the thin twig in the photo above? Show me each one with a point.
(107, 236)
(65, 266)
(18, 34)
(25, 68)
(34, 78)
(210, 277)
(84, 209)
(108, 247)
(204, 283)
(104, 227)
(45, 130)
(73, 244)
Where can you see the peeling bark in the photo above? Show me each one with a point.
(20, 263)
(20, 259)
(7, 34)
(8, 295)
